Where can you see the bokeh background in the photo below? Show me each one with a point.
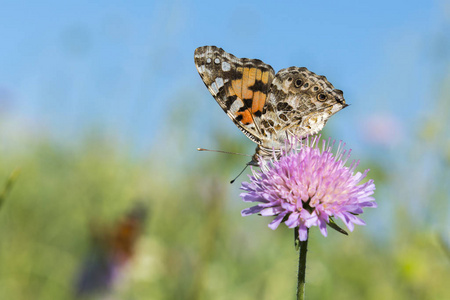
(101, 107)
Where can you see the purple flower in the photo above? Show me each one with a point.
(307, 185)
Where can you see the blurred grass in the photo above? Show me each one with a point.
(8, 185)
(196, 245)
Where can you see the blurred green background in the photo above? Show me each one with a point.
(101, 105)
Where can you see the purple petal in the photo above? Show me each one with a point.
(293, 220)
(251, 210)
(348, 218)
(356, 209)
(271, 211)
(277, 221)
(271, 204)
(250, 197)
(288, 206)
(357, 220)
(302, 233)
(310, 219)
(247, 186)
(369, 204)
(323, 227)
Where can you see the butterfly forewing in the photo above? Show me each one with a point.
(239, 85)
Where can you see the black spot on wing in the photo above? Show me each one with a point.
(299, 120)
(278, 93)
(235, 74)
(265, 123)
(248, 103)
(340, 96)
(259, 86)
(269, 107)
(283, 106)
(229, 101)
(338, 100)
(339, 92)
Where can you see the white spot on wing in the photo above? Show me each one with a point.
(217, 60)
(208, 60)
(214, 88)
(235, 106)
(226, 66)
(201, 68)
(219, 82)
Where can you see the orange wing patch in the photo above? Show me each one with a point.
(250, 89)
(244, 117)
(259, 99)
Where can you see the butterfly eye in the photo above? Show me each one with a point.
(321, 97)
(298, 83)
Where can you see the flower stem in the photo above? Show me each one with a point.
(301, 269)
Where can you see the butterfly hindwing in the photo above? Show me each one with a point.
(239, 85)
(299, 103)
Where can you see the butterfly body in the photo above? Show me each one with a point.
(267, 107)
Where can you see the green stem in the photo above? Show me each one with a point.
(301, 269)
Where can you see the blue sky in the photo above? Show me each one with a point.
(125, 65)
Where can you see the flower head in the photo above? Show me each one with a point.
(307, 185)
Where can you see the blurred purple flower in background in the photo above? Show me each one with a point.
(382, 129)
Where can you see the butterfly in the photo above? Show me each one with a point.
(268, 108)
(112, 247)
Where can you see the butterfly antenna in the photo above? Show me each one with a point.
(232, 181)
(226, 152)
(220, 151)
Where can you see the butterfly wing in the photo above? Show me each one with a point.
(299, 104)
(239, 85)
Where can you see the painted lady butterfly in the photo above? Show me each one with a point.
(267, 107)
